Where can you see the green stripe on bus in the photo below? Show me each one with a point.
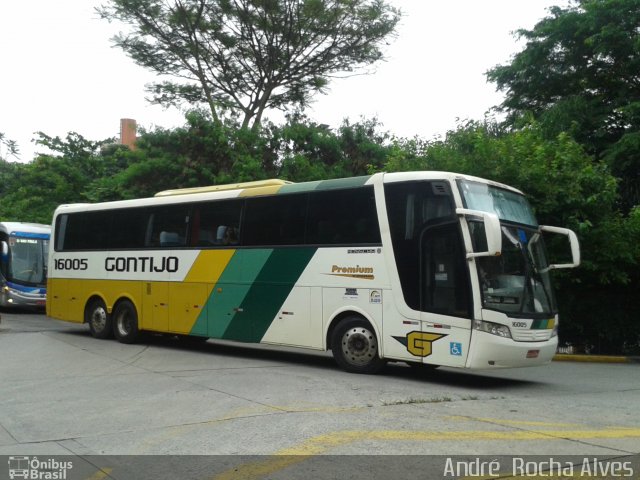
(343, 183)
(299, 187)
(335, 184)
(542, 324)
(229, 292)
(267, 294)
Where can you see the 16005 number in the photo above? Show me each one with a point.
(71, 263)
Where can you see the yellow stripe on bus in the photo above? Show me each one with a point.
(253, 192)
(209, 266)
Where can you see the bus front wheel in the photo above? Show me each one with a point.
(355, 347)
(125, 322)
(99, 320)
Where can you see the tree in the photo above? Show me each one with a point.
(246, 56)
(73, 171)
(10, 145)
(200, 153)
(566, 187)
(208, 153)
(309, 151)
(578, 73)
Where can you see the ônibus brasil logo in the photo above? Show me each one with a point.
(35, 469)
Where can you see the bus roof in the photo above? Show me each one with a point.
(272, 187)
(219, 188)
(24, 227)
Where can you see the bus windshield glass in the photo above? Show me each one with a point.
(28, 260)
(517, 282)
(509, 206)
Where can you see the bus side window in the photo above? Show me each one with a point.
(61, 229)
(84, 230)
(226, 235)
(218, 223)
(346, 217)
(127, 228)
(275, 220)
(168, 226)
(170, 239)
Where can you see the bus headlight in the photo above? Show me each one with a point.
(554, 333)
(492, 328)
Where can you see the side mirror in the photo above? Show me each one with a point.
(573, 243)
(5, 250)
(492, 231)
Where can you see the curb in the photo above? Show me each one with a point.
(562, 357)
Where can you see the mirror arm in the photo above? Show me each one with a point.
(492, 231)
(573, 242)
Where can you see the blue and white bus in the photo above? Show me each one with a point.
(23, 264)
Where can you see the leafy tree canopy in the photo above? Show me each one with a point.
(580, 73)
(565, 184)
(7, 147)
(246, 56)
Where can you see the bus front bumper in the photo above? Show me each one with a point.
(491, 351)
(10, 297)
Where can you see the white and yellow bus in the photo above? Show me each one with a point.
(426, 268)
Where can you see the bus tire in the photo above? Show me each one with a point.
(125, 322)
(355, 347)
(99, 319)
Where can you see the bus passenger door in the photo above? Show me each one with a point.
(445, 295)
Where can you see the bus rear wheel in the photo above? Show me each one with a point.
(125, 322)
(355, 347)
(99, 320)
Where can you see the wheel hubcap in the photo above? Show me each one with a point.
(124, 324)
(99, 319)
(359, 346)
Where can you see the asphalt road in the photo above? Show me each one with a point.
(63, 393)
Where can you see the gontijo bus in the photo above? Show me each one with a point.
(422, 267)
(23, 264)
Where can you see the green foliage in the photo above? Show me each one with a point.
(579, 74)
(10, 146)
(571, 141)
(578, 77)
(313, 152)
(246, 56)
(71, 172)
(200, 153)
(566, 186)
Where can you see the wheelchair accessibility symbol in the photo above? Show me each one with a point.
(455, 348)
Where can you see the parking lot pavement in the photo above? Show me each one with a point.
(64, 392)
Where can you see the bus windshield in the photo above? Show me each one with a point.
(28, 260)
(509, 206)
(517, 282)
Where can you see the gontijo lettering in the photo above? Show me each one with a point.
(141, 264)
